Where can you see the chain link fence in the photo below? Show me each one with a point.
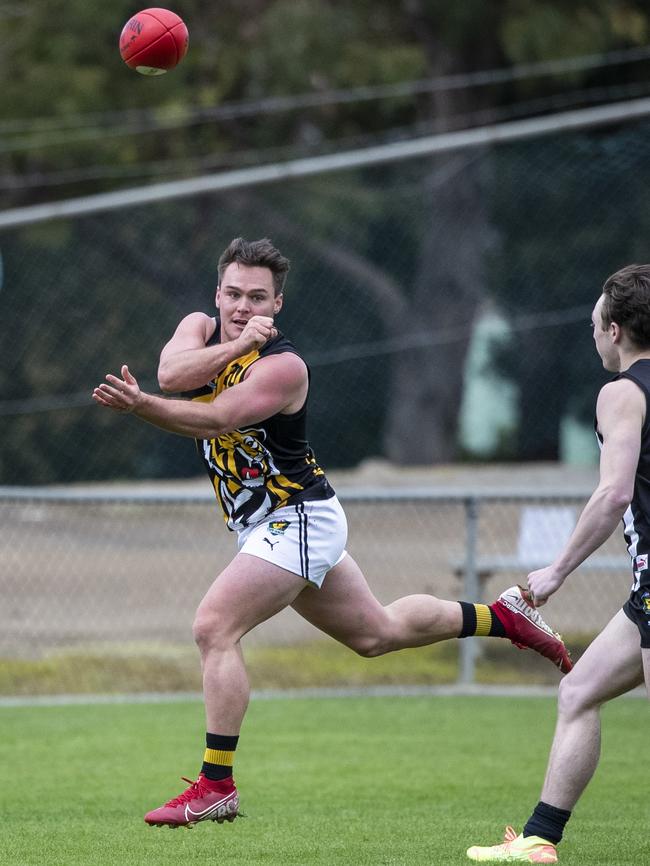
(443, 305)
(99, 576)
(394, 269)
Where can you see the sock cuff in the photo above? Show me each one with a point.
(547, 822)
(549, 811)
(468, 628)
(220, 743)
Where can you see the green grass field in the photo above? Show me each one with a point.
(327, 781)
(130, 668)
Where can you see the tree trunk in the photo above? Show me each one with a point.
(427, 383)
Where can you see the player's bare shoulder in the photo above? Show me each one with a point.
(619, 401)
(192, 332)
(620, 393)
(199, 324)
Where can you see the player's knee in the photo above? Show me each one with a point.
(369, 646)
(573, 696)
(200, 631)
(209, 629)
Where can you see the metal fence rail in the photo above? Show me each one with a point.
(106, 569)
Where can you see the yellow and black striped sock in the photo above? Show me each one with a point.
(479, 620)
(219, 756)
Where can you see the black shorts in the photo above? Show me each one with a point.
(637, 608)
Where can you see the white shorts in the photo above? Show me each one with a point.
(307, 539)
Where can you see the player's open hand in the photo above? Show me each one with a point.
(258, 330)
(121, 395)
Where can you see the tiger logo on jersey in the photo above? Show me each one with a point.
(247, 480)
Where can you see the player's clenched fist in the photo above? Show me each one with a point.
(258, 330)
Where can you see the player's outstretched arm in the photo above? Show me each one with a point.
(621, 413)
(187, 363)
(274, 384)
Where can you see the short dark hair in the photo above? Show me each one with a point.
(256, 254)
(627, 303)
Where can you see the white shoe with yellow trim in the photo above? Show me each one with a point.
(515, 849)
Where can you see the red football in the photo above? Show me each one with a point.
(153, 41)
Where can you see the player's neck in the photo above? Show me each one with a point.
(629, 358)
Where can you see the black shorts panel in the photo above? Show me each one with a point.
(637, 609)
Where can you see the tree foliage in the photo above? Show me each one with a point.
(77, 121)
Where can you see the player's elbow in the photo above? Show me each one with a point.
(166, 381)
(617, 497)
(214, 427)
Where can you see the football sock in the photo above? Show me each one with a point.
(219, 756)
(479, 620)
(547, 822)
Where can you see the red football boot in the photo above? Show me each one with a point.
(526, 629)
(204, 800)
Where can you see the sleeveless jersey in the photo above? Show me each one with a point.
(264, 466)
(636, 520)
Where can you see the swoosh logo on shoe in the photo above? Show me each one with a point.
(206, 812)
(543, 856)
(517, 605)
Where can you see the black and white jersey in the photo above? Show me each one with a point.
(636, 520)
(266, 465)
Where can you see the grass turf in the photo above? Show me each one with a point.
(324, 781)
(154, 667)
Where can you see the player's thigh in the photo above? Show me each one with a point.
(645, 655)
(247, 592)
(636, 608)
(610, 666)
(344, 607)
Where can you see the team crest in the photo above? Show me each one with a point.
(645, 598)
(279, 527)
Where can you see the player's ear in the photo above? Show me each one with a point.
(216, 297)
(277, 303)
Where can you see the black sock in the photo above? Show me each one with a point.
(479, 620)
(219, 756)
(547, 822)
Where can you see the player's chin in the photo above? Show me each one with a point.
(233, 330)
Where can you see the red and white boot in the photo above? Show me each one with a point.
(526, 629)
(204, 800)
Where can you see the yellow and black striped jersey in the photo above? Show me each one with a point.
(259, 468)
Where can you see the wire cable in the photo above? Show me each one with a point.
(190, 165)
(111, 122)
(342, 354)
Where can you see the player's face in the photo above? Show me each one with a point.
(605, 346)
(245, 292)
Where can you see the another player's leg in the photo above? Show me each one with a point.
(610, 667)
(346, 609)
(247, 592)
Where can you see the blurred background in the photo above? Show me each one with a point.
(452, 184)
